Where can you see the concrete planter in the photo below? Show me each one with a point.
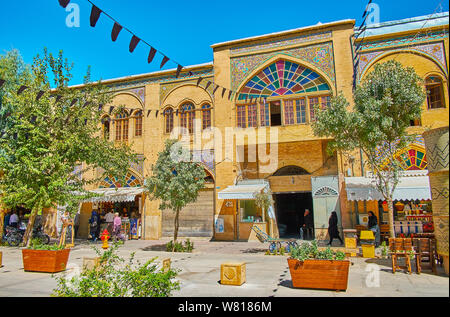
(319, 274)
(44, 260)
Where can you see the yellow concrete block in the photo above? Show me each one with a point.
(232, 273)
(166, 265)
(90, 263)
(350, 243)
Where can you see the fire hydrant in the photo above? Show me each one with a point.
(105, 237)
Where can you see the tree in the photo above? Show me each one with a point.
(44, 139)
(176, 180)
(384, 104)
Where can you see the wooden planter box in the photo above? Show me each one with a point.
(319, 274)
(45, 261)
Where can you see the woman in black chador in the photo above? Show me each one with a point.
(333, 228)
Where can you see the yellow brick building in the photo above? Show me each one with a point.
(260, 136)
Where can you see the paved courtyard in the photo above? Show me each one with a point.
(267, 275)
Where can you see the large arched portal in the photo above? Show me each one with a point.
(290, 205)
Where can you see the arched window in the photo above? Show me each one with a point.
(168, 120)
(106, 127)
(138, 123)
(122, 126)
(187, 116)
(206, 116)
(435, 93)
(270, 87)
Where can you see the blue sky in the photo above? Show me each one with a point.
(183, 30)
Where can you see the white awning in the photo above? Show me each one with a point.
(115, 194)
(408, 188)
(243, 190)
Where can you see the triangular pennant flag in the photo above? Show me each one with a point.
(95, 14)
(179, 68)
(100, 107)
(157, 111)
(191, 73)
(15, 135)
(207, 85)
(33, 119)
(85, 121)
(86, 103)
(115, 31)
(151, 55)
(367, 7)
(214, 91)
(76, 121)
(2, 81)
(223, 92)
(176, 112)
(111, 109)
(199, 80)
(251, 99)
(229, 94)
(133, 43)
(73, 102)
(58, 98)
(21, 89)
(64, 3)
(148, 113)
(39, 95)
(164, 61)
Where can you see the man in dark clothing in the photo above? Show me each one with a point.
(306, 231)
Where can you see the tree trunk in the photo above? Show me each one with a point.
(391, 217)
(26, 237)
(2, 225)
(176, 225)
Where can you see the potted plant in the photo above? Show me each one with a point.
(45, 258)
(318, 269)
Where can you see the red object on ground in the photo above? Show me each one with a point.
(105, 235)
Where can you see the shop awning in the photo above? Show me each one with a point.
(408, 188)
(243, 190)
(115, 194)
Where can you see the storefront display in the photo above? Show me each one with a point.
(413, 217)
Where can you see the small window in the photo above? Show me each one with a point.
(122, 126)
(241, 121)
(313, 102)
(433, 85)
(206, 116)
(275, 113)
(138, 123)
(106, 127)
(187, 116)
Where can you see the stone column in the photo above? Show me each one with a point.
(437, 144)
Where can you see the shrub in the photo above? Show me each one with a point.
(36, 244)
(179, 247)
(310, 250)
(115, 277)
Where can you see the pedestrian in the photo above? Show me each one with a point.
(6, 221)
(308, 225)
(76, 223)
(373, 226)
(117, 226)
(333, 231)
(109, 219)
(94, 223)
(14, 219)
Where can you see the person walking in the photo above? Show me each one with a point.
(333, 231)
(14, 220)
(373, 226)
(109, 219)
(117, 226)
(308, 225)
(94, 223)
(76, 224)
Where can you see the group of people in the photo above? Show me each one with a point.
(306, 230)
(113, 225)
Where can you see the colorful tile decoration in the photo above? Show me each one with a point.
(279, 43)
(283, 78)
(319, 55)
(412, 157)
(114, 182)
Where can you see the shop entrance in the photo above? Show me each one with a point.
(289, 209)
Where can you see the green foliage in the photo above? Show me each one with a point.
(43, 141)
(176, 179)
(264, 199)
(309, 250)
(36, 244)
(116, 277)
(384, 249)
(176, 246)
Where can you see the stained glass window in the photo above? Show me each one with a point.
(187, 117)
(168, 118)
(413, 159)
(114, 182)
(206, 118)
(252, 115)
(288, 112)
(264, 114)
(300, 110)
(283, 78)
(313, 102)
(241, 122)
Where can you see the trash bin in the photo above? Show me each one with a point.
(350, 236)
(367, 241)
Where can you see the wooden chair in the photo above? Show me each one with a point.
(384, 232)
(399, 248)
(425, 253)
